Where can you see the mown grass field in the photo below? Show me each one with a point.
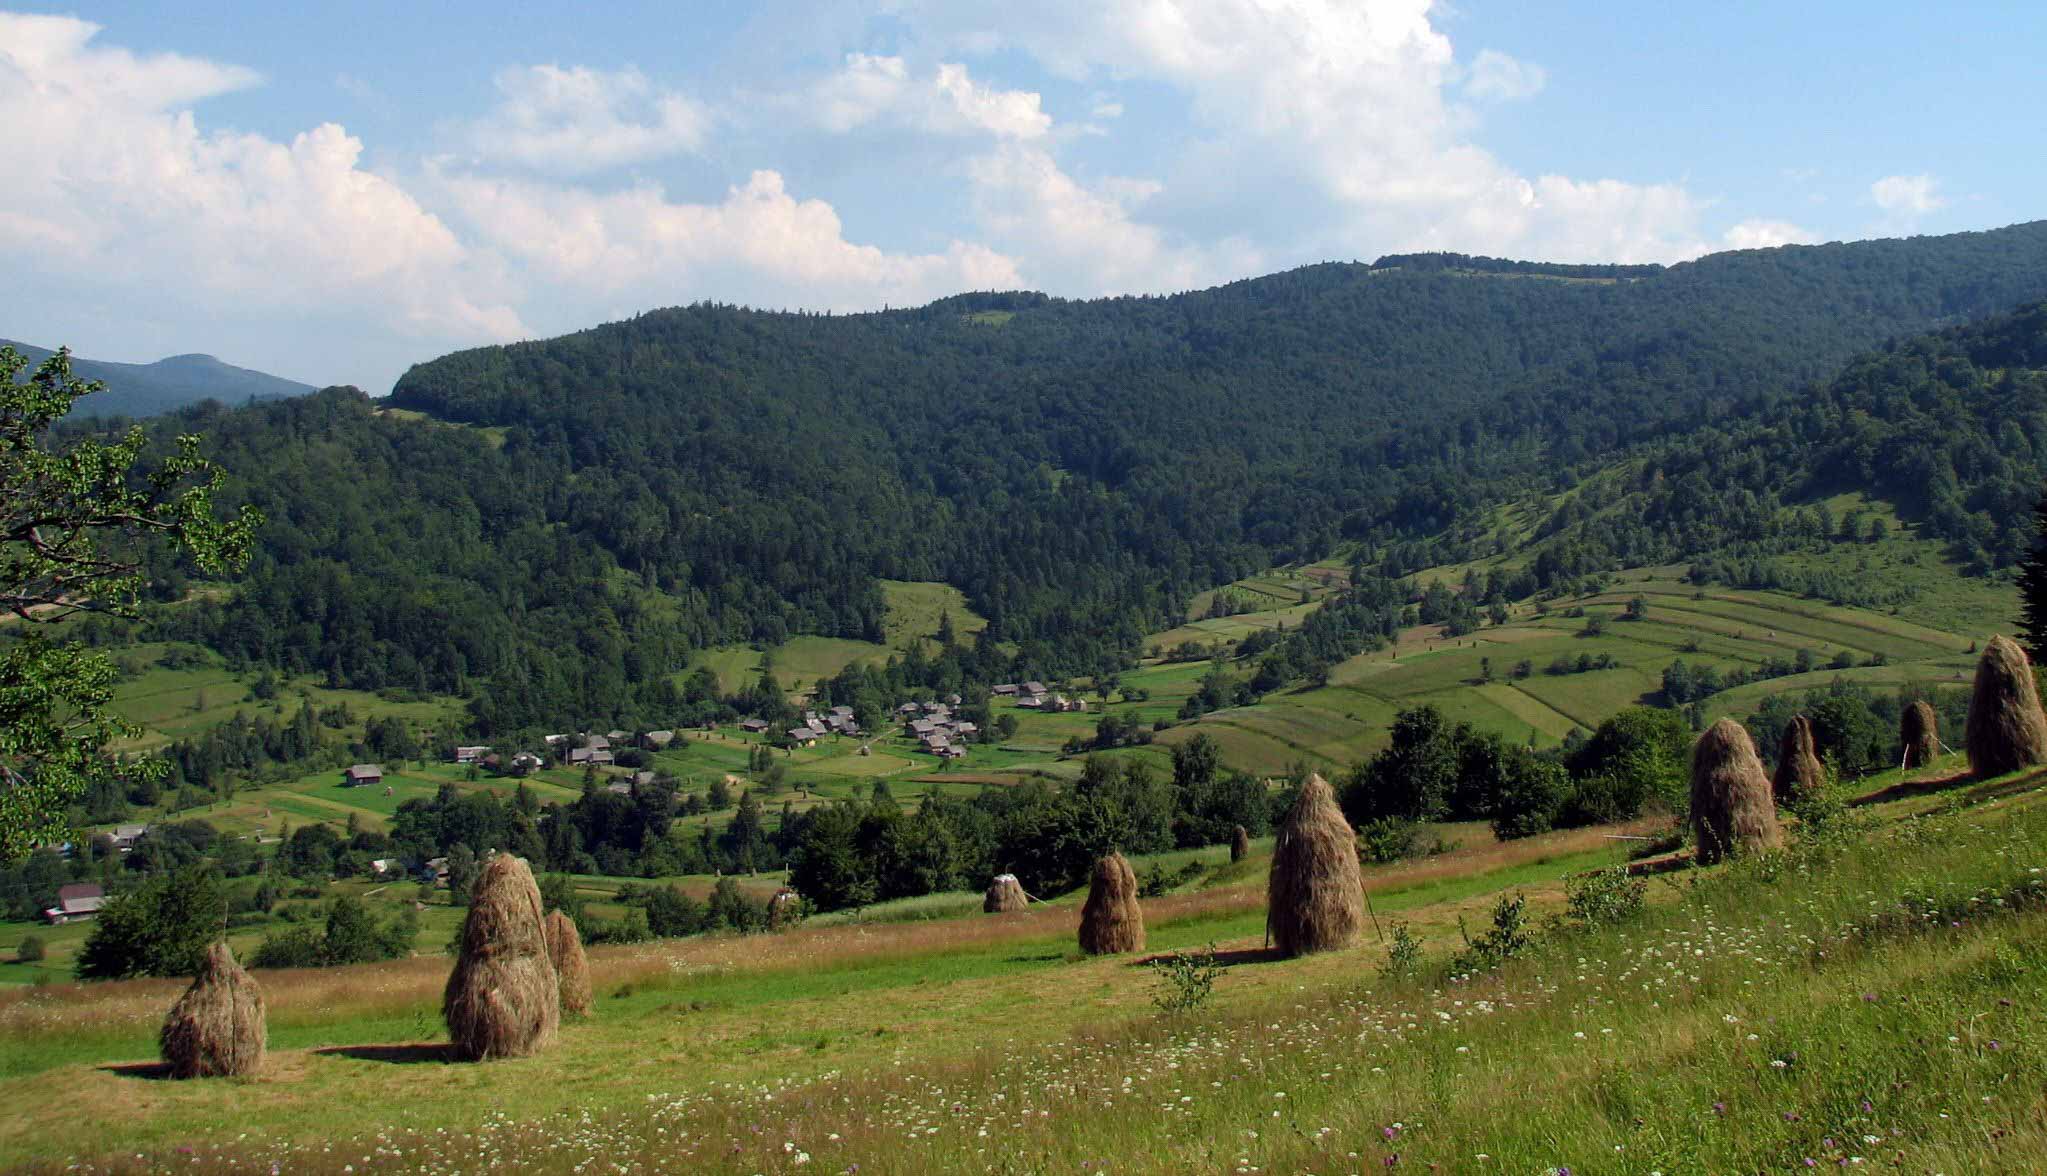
(1873, 996)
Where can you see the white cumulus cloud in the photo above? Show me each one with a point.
(1496, 77)
(1766, 234)
(947, 101)
(578, 119)
(1914, 195)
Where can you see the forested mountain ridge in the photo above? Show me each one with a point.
(710, 474)
(149, 389)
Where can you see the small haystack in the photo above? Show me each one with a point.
(1240, 845)
(1799, 772)
(1919, 731)
(1315, 894)
(1112, 921)
(571, 970)
(2006, 729)
(502, 1000)
(216, 1029)
(1005, 894)
(1731, 806)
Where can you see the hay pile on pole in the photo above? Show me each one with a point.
(1112, 921)
(2006, 729)
(784, 909)
(1919, 731)
(1240, 845)
(502, 1000)
(216, 1029)
(1731, 806)
(1315, 894)
(1005, 894)
(1799, 772)
(571, 970)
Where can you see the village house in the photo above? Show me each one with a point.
(919, 727)
(597, 743)
(75, 901)
(555, 741)
(753, 726)
(471, 755)
(363, 774)
(612, 738)
(657, 740)
(1033, 688)
(619, 788)
(126, 837)
(1005, 690)
(385, 867)
(586, 757)
(523, 763)
(803, 735)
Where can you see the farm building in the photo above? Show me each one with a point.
(657, 740)
(125, 837)
(78, 900)
(587, 756)
(471, 755)
(803, 735)
(1005, 690)
(361, 774)
(753, 726)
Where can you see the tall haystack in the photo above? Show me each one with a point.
(1919, 731)
(502, 1000)
(216, 1028)
(1799, 772)
(2006, 729)
(1005, 894)
(1240, 845)
(571, 970)
(1315, 894)
(1112, 921)
(784, 909)
(1731, 805)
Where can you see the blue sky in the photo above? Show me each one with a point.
(333, 192)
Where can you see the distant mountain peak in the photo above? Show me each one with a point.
(168, 384)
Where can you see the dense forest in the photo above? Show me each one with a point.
(549, 528)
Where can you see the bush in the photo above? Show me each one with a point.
(1388, 839)
(1604, 897)
(30, 950)
(1403, 955)
(1186, 980)
(1508, 938)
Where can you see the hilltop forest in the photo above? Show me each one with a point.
(549, 528)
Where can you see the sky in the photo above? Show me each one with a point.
(333, 192)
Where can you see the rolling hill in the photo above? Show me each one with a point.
(152, 389)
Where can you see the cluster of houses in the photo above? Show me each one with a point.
(837, 721)
(936, 729)
(1034, 696)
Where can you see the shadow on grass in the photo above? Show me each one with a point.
(150, 1071)
(1904, 789)
(396, 1055)
(1228, 958)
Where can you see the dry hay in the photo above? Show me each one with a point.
(2006, 729)
(216, 1028)
(1919, 731)
(1112, 921)
(1314, 896)
(1731, 806)
(1240, 845)
(1005, 894)
(571, 970)
(1799, 772)
(502, 1000)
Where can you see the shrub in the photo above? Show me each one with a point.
(1604, 897)
(29, 950)
(1186, 981)
(1403, 955)
(1388, 839)
(1508, 938)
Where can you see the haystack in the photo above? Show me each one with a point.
(1799, 772)
(1919, 731)
(1731, 806)
(1240, 845)
(1112, 921)
(502, 1000)
(1005, 894)
(216, 1028)
(2006, 729)
(571, 970)
(1315, 893)
(784, 909)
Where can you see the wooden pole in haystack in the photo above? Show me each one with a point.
(502, 999)
(2006, 729)
(1732, 811)
(1005, 894)
(1314, 895)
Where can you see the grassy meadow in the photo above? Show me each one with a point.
(1873, 995)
